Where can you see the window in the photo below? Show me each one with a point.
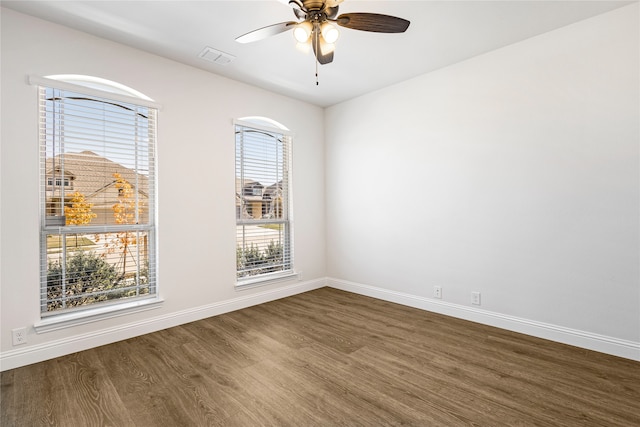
(59, 182)
(97, 197)
(263, 209)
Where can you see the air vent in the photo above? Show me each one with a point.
(217, 57)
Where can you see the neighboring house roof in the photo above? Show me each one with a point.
(239, 182)
(267, 199)
(83, 166)
(240, 193)
(274, 188)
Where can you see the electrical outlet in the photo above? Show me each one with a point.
(437, 292)
(475, 298)
(19, 336)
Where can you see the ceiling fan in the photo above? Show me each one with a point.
(316, 26)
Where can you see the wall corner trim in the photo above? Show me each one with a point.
(577, 338)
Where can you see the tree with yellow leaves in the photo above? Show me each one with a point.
(79, 213)
(124, 212)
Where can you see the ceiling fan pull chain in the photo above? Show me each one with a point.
(316, 38)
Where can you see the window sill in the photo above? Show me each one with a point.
(68, 320)
(266, 280)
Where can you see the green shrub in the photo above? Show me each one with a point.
(87, 277)
(252, 261)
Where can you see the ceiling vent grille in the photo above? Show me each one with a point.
(217, 57)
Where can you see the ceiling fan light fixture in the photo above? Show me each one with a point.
(326, 47)
(303, 47)
(330, 33)
(302, 31)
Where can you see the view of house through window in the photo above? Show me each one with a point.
(263, 233)
(97, 200)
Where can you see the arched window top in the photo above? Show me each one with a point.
(265, 122)
(99, 84)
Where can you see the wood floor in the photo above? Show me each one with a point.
(326, 358)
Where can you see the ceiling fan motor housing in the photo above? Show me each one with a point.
(313, 5)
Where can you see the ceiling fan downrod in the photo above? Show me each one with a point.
(316, 61)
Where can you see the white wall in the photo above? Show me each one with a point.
(196, 184)
(515, 174)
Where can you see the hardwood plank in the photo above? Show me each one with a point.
(283, 330)
(144, 392)
(367, 392)
(327, 358)
(28, 394)
(84, 393)
(334, 337)
(192, 397)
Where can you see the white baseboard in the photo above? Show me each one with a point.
(38, 353)
(582, 339)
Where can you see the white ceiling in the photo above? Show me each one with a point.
(441, 33)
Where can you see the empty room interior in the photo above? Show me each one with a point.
(217, 213)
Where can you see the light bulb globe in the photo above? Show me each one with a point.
(302, 31)
(330, 33)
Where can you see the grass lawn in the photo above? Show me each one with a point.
(54, 242)
(277, 227)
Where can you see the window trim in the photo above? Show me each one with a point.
(83, 316)
(87, 90)
(267, 279)
(271, 126)
(56, 320)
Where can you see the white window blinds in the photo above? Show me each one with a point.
(97, 198)
(263, 213)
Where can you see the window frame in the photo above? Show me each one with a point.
(57, 319)
(268, 126)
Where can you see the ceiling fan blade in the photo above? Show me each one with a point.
(298, 9)
(373, 22)
(296, 4)
(322, 49)
(264, 32)
(300, 14)
(331, 12)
